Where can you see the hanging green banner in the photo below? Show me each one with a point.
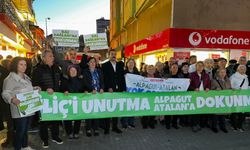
(106, 105)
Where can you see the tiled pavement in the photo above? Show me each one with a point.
(155, 139)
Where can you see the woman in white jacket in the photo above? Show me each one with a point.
(239, 81)
(18, 82)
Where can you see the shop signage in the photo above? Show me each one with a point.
(192, 38)
(181, 55)
(66, 38)
(96, 41)
(152, 43)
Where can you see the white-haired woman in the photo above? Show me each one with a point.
(239, 81)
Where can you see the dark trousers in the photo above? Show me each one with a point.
(195, 120)
(106, 123)
(72, 127)
(237, 120)
(125, 121)
(10, 127)
(171, 119)
(21, 135)
(184, 120)
(1, 122)
(54, 128)
(148, 121)
(218, 119)
(92, 124)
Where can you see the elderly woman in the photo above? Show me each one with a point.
(209, 63)
(199, 81)
(239, 81)
(221, 82)
(149, 121)
(18, 82)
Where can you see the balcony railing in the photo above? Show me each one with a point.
(7, 7)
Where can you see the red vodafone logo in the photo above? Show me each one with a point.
(195, 38)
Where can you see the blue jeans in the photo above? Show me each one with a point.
(125, 121)
(21, 136)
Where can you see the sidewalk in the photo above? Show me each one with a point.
(155, 139)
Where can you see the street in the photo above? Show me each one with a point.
(154, 139)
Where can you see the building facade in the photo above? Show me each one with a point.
(155, 30)
(19, 36)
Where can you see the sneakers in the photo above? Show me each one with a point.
(224, 130)
(96, 133)
(71, 136)
(76, 136)
(88, 133)
(196, 128)
(241, 130)
(27, 148)
(117, 130)
(45, 144)
(131, 126)
(57, 141)
(215, 130)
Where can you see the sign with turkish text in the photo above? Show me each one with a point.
(77, 106)
(137, 83)
(96, 41)
(30, 103)
(66, 38)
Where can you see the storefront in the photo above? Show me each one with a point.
(181, 43)
(12, 41)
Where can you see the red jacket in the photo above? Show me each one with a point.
(195, 81)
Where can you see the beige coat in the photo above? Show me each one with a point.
(13, 85)
(224, 85)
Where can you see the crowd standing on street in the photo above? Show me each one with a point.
(48, 72)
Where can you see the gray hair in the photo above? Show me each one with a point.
(241, 66)
(208, 60)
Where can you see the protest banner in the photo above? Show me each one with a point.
(107, 105)
(137, 83)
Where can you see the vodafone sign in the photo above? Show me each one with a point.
(190, 38)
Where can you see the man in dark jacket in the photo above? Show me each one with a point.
(5, 112)
(84, 61)
(47, 76)
(114, 81)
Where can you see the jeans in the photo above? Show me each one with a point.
(21, 136)
(125, 121)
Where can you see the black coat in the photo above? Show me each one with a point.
(112, 79)
(87, 78)
(72, 85)
(84, 61)
(47, 77)
(4, 107)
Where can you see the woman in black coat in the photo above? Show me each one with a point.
(94, 82)
(72, 83)
(128, 122)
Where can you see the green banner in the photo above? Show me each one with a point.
(106, 105)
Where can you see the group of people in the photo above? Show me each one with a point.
(50, 73)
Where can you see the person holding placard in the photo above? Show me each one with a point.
(18, 82)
